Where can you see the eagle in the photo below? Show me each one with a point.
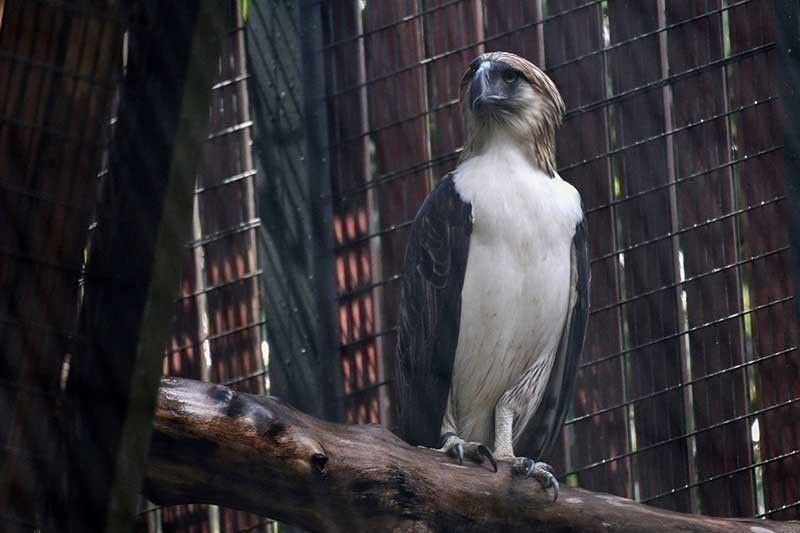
(495, 290)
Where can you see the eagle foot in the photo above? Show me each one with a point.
(541, 472)
(455, 446)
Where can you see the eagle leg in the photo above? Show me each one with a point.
(455, 446)
(520, 466)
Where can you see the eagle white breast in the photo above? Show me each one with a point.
(517, 283)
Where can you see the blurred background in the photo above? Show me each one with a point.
(328, 123)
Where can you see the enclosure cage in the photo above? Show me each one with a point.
(689, 377)
(330, 120)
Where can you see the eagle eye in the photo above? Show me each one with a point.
(510, 76)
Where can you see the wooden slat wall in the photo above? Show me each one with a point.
(353, 217)
(712, 297)
(227, 214)
(773, 328)
(514, 27)
(582, 82)
(647, 267)
(397, 107)
(452, 34)
(396, 96)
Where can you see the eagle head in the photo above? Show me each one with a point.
(505, 94)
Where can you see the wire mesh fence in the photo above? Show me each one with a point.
(58, 68)
(61, 65)
(689, 381)
(219, 316)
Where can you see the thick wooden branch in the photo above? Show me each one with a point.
(213, 445)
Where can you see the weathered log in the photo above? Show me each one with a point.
(214, 445)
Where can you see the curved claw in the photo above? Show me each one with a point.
(554, 484)
(460, 453)
(541, 472)
(546, 477)
(486, 452)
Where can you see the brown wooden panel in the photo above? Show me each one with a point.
(186, 518)
(698, 150)
(352, 220)
(183, 357)
(396, 96)
(764, 229)
(396, 118)
(584, 137)
(514, 27)
(648, 267)
(452, 34)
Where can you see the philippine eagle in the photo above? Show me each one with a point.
(495, 292)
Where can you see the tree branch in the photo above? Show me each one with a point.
(214, 445)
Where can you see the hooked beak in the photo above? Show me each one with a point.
(482, 92)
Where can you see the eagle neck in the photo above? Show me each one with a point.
(538, 148)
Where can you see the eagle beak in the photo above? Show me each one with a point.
(483, 92)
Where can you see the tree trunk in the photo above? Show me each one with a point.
(254, 453)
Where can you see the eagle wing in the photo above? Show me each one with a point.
(543, 427)
(430, 312)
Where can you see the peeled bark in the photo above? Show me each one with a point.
(254, 453)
